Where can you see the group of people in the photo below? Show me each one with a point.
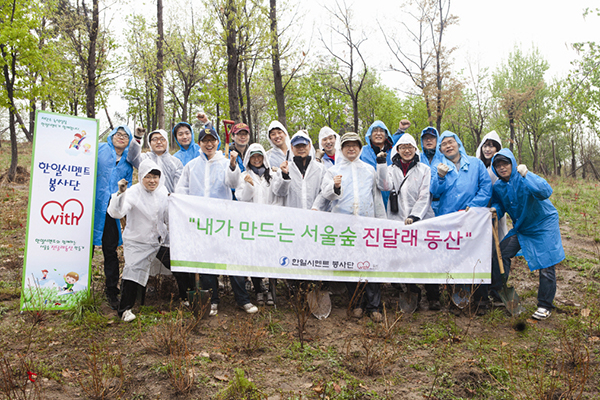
(387, 177)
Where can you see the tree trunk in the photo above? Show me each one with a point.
(14, 152)
(90, 89)
(511, 123)
(554, 158)
(279, 91)
(232, 61)
(160, 95)
(247, 85)
(32, 109)
(27, 132)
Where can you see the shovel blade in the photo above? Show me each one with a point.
(408, 302)
(511, 300)
(319, 303)
(461, 296)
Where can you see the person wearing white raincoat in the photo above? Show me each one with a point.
(206, 176)
(407, 179)
(146, 233)
(279, 139)
(329, 143)
(306, 176)
(490, 145)
(170, 166)
(258, 184)
(351, 186)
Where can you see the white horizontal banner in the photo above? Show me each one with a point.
(213, 236)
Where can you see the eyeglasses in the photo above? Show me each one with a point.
(208, 139)
(121, 135)
(242, 133)
(158, 140)
(405, 147)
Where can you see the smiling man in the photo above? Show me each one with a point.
(171, 166)
(114, 163)
(280, 144)
(525, 197)
(206, 176)
(460, 181)
(351, 186)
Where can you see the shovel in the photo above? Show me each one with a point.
(319, 303)
(408, 301)
(507, 294)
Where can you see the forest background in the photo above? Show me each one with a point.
(333, 63)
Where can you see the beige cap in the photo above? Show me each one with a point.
(350, 137)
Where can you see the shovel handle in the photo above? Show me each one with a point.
(497, 242)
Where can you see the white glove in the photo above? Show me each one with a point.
(442, 170)
(522, 169)
(408, 221)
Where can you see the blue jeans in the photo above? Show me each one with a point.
(509, 247)
(238, 284)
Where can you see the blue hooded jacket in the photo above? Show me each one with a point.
(470, 186)
(535, 219)
(193, 150)
(368, 154)
(437, 157)
(108, 174)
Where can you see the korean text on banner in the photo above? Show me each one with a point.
(213, 236)
(58, 249)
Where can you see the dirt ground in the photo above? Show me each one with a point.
(167, 354)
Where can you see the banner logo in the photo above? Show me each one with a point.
(68, 213)
(284, 261)
(363, 265)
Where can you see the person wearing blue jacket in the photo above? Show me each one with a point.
(525, 197)
(378, 139)
(429, 144)
(184, 137)
(113, 165)
(460, 181)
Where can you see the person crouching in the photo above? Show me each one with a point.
(145, 205)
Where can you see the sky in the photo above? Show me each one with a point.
(486, 33)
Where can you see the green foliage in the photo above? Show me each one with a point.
(240, 388)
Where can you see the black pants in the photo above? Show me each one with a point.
(432, 291)
(129, 289)
(370, 299)
(110, 242)
(185, 280)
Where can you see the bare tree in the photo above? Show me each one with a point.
(353, 69)
(427, 62)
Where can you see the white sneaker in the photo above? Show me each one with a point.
(128, 316)
(260, 299)
(541, 314)
(250, 308)
(270, 301)
(213, 310)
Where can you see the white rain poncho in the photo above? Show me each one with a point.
(502, 226)
(171, 166)
(261, 192)
(146, 229)
(207, 178)
(304, 192)
(324, 133)
(275, 155)
(359, 194)
(414, 198)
